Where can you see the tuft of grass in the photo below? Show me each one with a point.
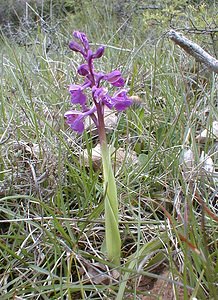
(52, 226)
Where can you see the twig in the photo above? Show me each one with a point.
(193, 49)
(199, 30)
(75, 220)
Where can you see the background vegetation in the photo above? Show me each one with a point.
(52, 226)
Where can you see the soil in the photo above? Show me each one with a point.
(159, 289)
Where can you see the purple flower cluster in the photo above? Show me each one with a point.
(93, 81)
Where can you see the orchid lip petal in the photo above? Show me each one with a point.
(76, 118)
(121, 101)
(77, 96)
(122, 105)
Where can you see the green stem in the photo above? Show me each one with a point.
(112, 234)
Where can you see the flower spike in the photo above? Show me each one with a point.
(94, 82)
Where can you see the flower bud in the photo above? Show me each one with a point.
(99, 52)
(82, 37)
(75, 47)
(83, 70)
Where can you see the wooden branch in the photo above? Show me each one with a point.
(199, 30)
(193, 49)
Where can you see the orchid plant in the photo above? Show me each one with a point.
(94, 108)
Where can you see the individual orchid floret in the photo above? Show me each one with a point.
(76, 119)
(77, 96)
(121, 101)
(115, 78)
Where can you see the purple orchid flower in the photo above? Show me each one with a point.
(93, 80)
(121, 101)
(83, 38)
(77, 95)
(115, 78)
(76, 118)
